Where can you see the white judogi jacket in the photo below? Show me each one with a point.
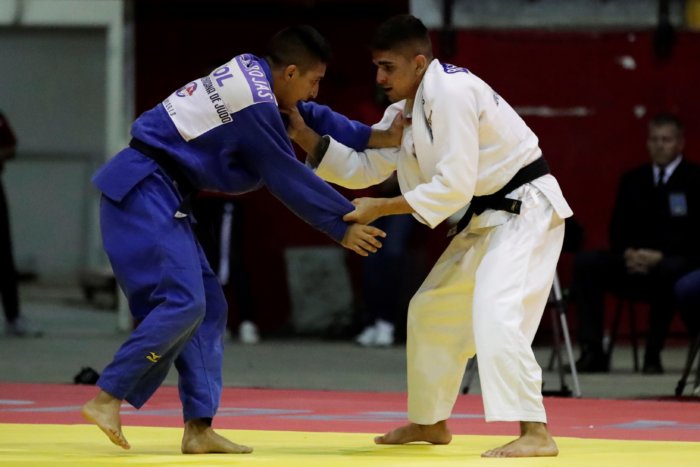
(464, 141)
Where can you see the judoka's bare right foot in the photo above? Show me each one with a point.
(534, 441)
(437, 433)
(200, 438)
(103, 411)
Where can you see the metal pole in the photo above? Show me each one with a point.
(556, 287)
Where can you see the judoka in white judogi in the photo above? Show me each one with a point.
(487, 292)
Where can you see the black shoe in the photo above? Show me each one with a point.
(652, 367)
(593, 362)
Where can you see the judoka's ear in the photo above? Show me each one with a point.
(421, 64)
(289, 71)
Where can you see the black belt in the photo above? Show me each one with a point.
(170, 168)
(498, 200)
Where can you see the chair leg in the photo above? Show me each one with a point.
(472, 368)
(613, 331)
(692, 352)
(555, 356)
(633, 334)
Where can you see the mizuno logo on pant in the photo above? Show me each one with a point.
(153, 357)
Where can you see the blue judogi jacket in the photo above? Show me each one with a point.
(226, 134)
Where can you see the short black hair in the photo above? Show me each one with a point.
(666, 118)
(300, 45)
(401, 31)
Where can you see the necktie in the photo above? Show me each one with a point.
(661, 181)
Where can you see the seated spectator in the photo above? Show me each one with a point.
(654, 234)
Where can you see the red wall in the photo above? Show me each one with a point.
(177, 40)
(565, 70)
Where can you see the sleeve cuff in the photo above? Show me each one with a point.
(314, 158)
(410, 198)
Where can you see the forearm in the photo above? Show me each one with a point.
(343, 166)
(367, 210)
(390, 137)
(394, 206)
(314, 144)
(306, 138)
(380, 139)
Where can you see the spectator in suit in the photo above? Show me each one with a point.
(654, 234)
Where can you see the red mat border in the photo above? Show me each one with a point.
(359, 412)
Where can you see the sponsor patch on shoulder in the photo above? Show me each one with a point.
(211, 101)
(449, 68)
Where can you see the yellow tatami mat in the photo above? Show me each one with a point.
(82, 445)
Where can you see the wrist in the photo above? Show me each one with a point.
(396, 205)
(305, 137)
(377, 139)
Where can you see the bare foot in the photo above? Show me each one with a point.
(437, 433)
(103, 411)
(534, 441)
(200, 438)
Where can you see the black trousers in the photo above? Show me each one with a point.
(211, 228)
(8, 273)
(597, 273)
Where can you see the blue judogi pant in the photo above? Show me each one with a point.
(172, 292)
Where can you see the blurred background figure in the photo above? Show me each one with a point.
(15, 324)
(654, 234)
(688, 298)
(219, 229)
(383, 275)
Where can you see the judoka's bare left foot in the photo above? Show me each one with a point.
(103, 411)
(437, 433)
(200, 438)
(534, 441)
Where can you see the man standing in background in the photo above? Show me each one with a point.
(15, 325)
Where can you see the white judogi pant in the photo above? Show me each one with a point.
(486, 294)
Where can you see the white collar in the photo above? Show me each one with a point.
(668, 170)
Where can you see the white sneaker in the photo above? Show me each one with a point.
(367, 337)
(385, 334)
(22, 328)
(248, 333)
(381, 334)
